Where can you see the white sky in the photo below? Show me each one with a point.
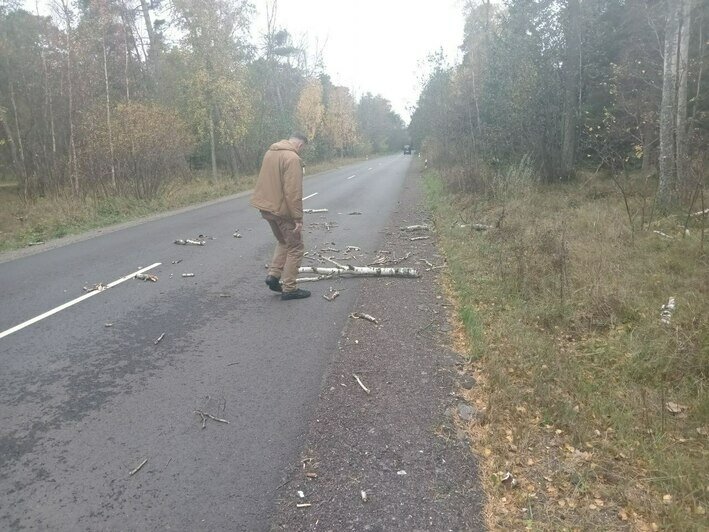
(376, 46)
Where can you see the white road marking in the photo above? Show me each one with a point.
(74, 302)
(354, 175)
(313, 194)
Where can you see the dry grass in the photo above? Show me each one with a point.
(560, 307)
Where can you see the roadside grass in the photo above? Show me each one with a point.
(598, 411)
(27, 222)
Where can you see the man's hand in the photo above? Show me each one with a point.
(298, 227)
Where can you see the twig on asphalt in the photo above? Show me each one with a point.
(363, 316)
(206, 415)
(159, 339)
(134, 471)
(359, 381)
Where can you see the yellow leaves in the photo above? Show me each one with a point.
(310, 110)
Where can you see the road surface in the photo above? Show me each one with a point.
(83, 403)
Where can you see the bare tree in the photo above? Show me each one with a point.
(668, 170)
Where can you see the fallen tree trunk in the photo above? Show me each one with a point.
(359, 271)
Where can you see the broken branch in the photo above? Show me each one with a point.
(363, 316)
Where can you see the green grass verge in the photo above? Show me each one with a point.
(599, 408)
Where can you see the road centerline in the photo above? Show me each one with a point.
(74, 302)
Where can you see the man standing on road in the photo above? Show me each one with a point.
(279, 197)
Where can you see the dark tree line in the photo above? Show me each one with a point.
(108, 97)
(615, 84)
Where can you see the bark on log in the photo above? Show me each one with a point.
(360, 271)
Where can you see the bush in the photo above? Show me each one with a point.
(150, 147)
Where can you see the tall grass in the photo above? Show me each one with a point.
(561, 304)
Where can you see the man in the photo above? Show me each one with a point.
(279, 197)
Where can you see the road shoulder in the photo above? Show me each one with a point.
(391, 459)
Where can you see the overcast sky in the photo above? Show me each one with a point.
(374, 46)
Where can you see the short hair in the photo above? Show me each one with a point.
(300, 136)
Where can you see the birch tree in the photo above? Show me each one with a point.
(667, 186)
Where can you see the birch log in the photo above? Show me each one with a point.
(360, 271)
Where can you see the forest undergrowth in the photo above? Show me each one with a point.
(593, 414)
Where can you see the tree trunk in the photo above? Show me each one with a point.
(682, 134)
(572, 66)
(154, 42)
(212, 144)
(73, 167)
(667, 186)
(21, 161)
(108, 118)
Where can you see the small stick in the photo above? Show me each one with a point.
(303, 505)
(188, 241)
(332, 296)
(352, 248)
(131, 473)
(340, 266)
(359, 381)
(410, 228)
(418, 238)
(146, 277)
(311, 211)
(188, 275)
(363, 316)
(159, 339)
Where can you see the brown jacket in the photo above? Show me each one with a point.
(279, 188)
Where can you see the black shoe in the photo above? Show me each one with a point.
(295, 294)
(274, 283)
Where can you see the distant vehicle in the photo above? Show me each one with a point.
(407, 150)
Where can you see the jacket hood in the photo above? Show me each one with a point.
(283, 145)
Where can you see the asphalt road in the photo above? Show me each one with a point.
(83, 404)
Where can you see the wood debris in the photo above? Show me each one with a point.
(352, 248)
(381, 260)
(354, 213)
(363, 494)
(413, 239)
(303, 505)
(146, 277)
(189, 242)
(698, 213)
(662, 234)
(356, 271)
(332, 295)
(159, 339)
(178, 261)
(98, 287)
(361, 384)
(666, 311)
(237, 235)
(480, 227)
(188, 275)
(313, 211)
(206, 415)
(412, 228)
(37, 243)
(363, 316)
(140, 466)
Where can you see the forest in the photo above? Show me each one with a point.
(616, 85)
(105, 98)
(567, 174)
